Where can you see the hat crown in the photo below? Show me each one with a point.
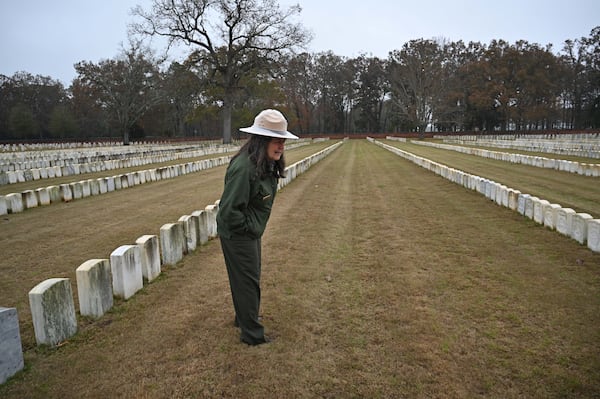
(270, 123)
(271, 119)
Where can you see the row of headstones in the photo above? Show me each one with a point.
(582, 136)
(100, 280)
(24, 175)
(63, 165)
(50, 147)
(579, 226)
(38, 159)
(581, 168)
(583, 145)
(94, 160)
(15, 147)
(19, 172)
(19, 202)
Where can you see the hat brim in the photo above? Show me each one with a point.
(269, 133)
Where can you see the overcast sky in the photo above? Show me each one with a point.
(47, 37)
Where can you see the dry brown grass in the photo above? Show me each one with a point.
(52, 241)
(380, 279)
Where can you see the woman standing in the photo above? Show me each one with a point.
(244, 209)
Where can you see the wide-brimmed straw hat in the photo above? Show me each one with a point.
(271, 123)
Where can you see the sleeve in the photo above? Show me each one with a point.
(234, 201)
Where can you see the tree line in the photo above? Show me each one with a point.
(251, 61)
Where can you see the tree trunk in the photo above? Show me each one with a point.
(422, 128)
(126, 136)
(227, 107)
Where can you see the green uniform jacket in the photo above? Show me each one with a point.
(245, 205)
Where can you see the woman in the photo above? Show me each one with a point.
(244, 209)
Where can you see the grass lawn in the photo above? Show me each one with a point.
(380, 279)
(570, 190)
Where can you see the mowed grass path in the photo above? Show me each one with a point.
(380, 279)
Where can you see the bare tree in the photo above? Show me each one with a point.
(127, 86)
(182, 91)
(416, 80)
(230, 37)
(332, 73)
(371, 93)
(300, 90)
(581, 58)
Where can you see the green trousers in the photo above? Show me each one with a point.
(243, 261)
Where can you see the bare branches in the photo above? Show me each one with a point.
(232, 37)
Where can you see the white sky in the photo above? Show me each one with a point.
(47, 37)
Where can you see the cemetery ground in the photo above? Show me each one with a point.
(380, 279)
(581, 193)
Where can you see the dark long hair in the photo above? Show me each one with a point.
(256, 148)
